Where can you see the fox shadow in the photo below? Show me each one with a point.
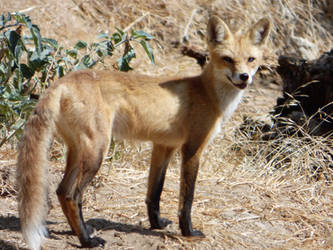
(105, 225)
(99, 224)
(7, 246)
(11, 223)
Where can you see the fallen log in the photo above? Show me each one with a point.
(307, 94)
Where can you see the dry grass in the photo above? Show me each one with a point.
(301, 27)
(251, 193)
(297, 155)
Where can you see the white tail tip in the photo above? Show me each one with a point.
(34, 236)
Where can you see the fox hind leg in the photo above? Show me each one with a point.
(70, 191)
(83, 162)
(159, 162)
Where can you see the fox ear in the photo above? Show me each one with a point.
(217, 30)
(258, 34)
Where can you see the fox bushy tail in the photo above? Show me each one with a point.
(32, 173)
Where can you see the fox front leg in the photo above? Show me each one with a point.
(160, 159)
(189, 172)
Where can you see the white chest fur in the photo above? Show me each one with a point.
(228, 102)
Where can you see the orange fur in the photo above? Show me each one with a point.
(86, 107)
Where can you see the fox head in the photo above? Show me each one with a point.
(236, 57)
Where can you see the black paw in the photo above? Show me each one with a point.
(195, 233)
(161, 223)
(94, 242)
(189, 232)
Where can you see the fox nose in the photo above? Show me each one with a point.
(244, 77)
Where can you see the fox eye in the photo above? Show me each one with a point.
(251, 59)
(228, 59)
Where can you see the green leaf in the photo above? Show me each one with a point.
(116, 37)
(26, 71)
(123, 62)
(18, 124)
(100, 53)
(21, 18)
(17, 82)
(109, 47)
(117, 155)
(95, 45)
(9, 17)
(18, 53)
(120, 31)
(35, 32)
(35, 61)
(52, 42)
(80, 45)
(130, 54)
(72, 53)
(148, 50)
(102, 35)
(2, 20)
(85, 63)
(45, 53)
(3, 68)
(102, 49)
(60, 71)
(142, 34)
(86, 60)
(13, 39)
(22, 45)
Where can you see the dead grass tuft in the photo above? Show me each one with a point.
(273, 152)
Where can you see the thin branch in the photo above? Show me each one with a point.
(10, 25)
(24, 10)
(4, 140)
(185, 35)
(136, 21)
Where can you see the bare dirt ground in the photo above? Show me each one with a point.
(240, 202)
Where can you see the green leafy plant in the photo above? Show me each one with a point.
(29, 63)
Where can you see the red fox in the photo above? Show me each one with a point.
(86, 108)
